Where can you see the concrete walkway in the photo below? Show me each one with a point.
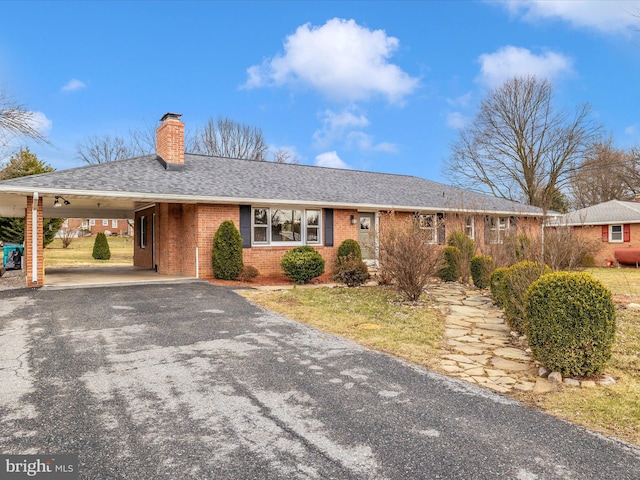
(478, 346)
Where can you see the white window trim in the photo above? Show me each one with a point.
(105, 222)
(114, 223)
(611, 240)
(303, 227)
(92, 222)
(501, 231)
(470, 221)
(433, 228)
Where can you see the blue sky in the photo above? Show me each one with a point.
(379, 86)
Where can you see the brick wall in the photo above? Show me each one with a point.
(606, 249)
(28, 245)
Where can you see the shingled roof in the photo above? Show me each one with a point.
(223, 180)
(613, 211)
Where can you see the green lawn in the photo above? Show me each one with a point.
(78, 254)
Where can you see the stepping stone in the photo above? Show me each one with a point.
(495, 320)
(468, 339)
(459, 358)
(455, 332)
(495, 373)
(509, 365)
(458, 322)
(475, 372)
(544, 386)
(496, 341)
(488, 333)
(468, 349)
(493, 326)
(464, 311)
(478, 358)
(525, 386)
(451, 368)
(512, 353)
(505, 381)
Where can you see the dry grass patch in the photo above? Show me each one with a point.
(78, 253)
(621, 281)
(372, 316)
(611, 410)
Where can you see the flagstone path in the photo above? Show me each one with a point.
(478, 346)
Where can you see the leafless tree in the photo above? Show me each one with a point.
(16, 121)
(606, 173)
(95, 149)
(227, 138)
(67, 235)
(519, 147)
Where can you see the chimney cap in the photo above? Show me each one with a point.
(172, 116)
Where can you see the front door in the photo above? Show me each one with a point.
(367, 235)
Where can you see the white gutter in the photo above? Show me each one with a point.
(34, 238)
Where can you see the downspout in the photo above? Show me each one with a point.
(34, 238)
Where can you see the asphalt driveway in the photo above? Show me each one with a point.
(190, 381)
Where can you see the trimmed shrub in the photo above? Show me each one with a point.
(496, 285)
(350, 270)
(301, 264)
(101, 249)
(227, 252)
(452, 258)
(481, 270)
(515, 284)
(571, 323)
(467, 249)
(350, 248)
(248, 273)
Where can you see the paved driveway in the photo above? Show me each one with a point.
(191, 381)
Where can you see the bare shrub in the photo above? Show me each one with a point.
(248, 273)
(406, 256)
(564, 249)
(67, 235)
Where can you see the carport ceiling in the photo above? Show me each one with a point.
(80, 206)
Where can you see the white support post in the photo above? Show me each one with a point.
(34, 238)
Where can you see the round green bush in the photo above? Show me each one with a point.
(350, 271)
(495, 285)
(226, 255)
(517, 280)
(301, 264)
(571, 323)
(101, 250)
(481, 270)
(452, 258)
(350, 248)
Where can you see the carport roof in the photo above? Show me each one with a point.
(206, 179)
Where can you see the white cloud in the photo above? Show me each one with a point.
(632, 130)
(457, 120)
(331, 160)
(341, 59)
(364, 142)
(461, 101)
(40, 122)
(611, 16)
(510, 61)
(336, 124)
(73, 85)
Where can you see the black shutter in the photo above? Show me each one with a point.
(328, 227)
(245, 225)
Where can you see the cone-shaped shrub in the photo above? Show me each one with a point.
(571, 323)
(227, 252)
(496, 286)
(481, 269)
(350, 248)
(452, 258)
(101, 249)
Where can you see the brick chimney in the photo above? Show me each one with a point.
(170, 140)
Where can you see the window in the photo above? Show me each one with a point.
(114, 223)
(85, 224)
(615, 233)
(142, 231)
(469, 227)
(92, 222)
(285, 226)
(498, 227)
(105, 222)
(428, 223)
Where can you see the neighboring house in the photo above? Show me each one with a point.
(178, 200)
(614, 224)
(93, 226)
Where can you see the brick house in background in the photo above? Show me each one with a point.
(178, 200)
(93, 226)
(614, 224)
